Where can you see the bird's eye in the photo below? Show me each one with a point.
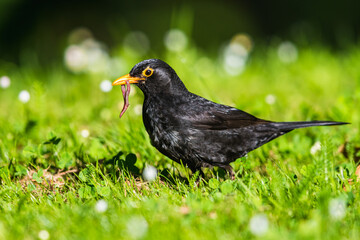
(148, 72)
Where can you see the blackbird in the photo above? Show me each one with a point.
(190, 129)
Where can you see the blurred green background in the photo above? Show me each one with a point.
(42, 27)
(71, 169)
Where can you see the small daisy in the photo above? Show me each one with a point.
(5, 82)
(24, 96)
(101, 206)
(44, 235)
(137, 226)
(106, 86)
(85, 133)
(149, 173)
(259, 224)
(337, 208)
(315, 148)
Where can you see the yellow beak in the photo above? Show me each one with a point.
(122, 80)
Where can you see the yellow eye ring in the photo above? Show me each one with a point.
(148, 72)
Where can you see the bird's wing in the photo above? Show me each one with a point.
(213, 116)
(231, 120)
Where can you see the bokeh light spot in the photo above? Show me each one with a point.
(236, 53)
(337, 208)
(175, 40)
(137, 227)
(105, 86)
(149, 173)
(287, 52)
(24, 96)
(259, 224)
(270, 99)
(43, 235)
(101, 206)
(85, 133)
(5, 82)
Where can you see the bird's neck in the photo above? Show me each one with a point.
(177, 87)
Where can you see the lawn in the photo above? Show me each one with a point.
(71, 169)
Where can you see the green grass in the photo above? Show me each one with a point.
(283, 181)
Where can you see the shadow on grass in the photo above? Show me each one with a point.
(122, 164)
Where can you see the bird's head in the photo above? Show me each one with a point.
(153, 76)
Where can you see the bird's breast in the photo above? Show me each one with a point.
(162, 127)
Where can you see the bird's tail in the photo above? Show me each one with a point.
(288, 126)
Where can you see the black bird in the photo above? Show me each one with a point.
(189, 128)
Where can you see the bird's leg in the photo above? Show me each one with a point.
(230, 171)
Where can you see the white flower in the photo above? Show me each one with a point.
(315, 148)
(44, 235)
(137, 226)
(270, 99)
(259, 224)
(24, 96)
(85, 133)
(337, 208)
(101, 206)
(5, 82)
(106, 86)
(149, 173)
